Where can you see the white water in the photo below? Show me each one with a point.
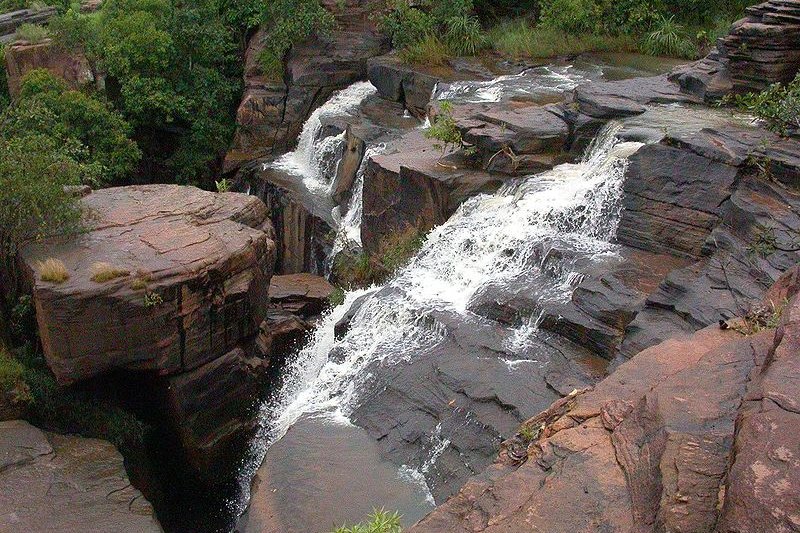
(349, 235)
(492, 240)
(315, 159)
(539, 81)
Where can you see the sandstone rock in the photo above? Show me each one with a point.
(647, 450)
(23, 57)
(206, 256)
(272, 112)
(281, 334)
(56, 483)
(9, 22)
(305, 295)
(398, 82)
(761, 49)
(406, 189)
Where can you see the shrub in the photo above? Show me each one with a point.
(103, 272)
(668, 38)
(152, 300)
(407, 25)
(445, 130)
(53, 271)
(12, 382)
(778, 106)
(398, 249)
(380, 521)
(32, 207)
(430, 51)
(464, 35)
(32, 33)
(95, 136)
(571, 16)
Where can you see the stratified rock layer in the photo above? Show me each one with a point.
(697, 434)
(56, 483)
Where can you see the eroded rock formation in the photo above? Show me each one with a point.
(168, 280)
(60, 483)
(691, 435)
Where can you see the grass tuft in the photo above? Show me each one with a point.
(103, 272)
(431, 51)
(53, 271)
(32, 33)
(380, 521)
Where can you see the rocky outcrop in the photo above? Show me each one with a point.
(59, 483)
(9, 22)
(167, 280)
(407, 189)
(691, 435)
(272, 112)
(761, 49)
(22, 57)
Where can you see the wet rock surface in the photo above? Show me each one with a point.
(61, 483)
(22, 57)
(665, 442)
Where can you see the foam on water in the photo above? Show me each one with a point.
(315, 159)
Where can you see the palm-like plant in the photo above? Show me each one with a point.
(669, 38)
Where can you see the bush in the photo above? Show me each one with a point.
(464, 35)
(571, 16)
(32, 207)
(407, 25)
(97, 136)
(778, 106)
(378, 522)
(32, 33)
(445, 130)
(668, 38)
(12, 382)
(518, 39)
(430, 51)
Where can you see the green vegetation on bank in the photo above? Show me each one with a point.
(379, 521)
(778, 106)
(361, 270)
(439, 29)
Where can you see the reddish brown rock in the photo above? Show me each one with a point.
(22, 57)
(663, 444)
(199, 265)
(56, 483)
(305, 295)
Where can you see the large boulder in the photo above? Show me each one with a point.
(22, 57)
(170, 280)
(59, 483)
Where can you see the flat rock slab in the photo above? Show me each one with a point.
(55, 483)
(302, 294)
(194, 273)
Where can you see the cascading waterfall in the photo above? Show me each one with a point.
(315, 159)
(492, 240)
(349, 236)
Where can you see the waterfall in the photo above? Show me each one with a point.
(315, 159)
(349, 236)
(491, 240)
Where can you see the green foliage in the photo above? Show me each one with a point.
(70, 411)
(430, 51)
(380, 521)
(291, 21)
(96, 137)
(464, 35)
(223, 185)
(445, 130)
(32, 33)
(778, 106)
(571, 16)
(669, 38)
(152, 300)
(518, 39)
(407, 25)
(12, 380)
(337, 297)
(34, 169)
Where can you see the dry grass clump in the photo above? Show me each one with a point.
(103, 272)
(53, 271)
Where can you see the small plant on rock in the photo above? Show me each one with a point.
(53, 271)
(152, 300)
(223, 185)
(445, 130)
(380, 521)
(103, 272)
(32, 33)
